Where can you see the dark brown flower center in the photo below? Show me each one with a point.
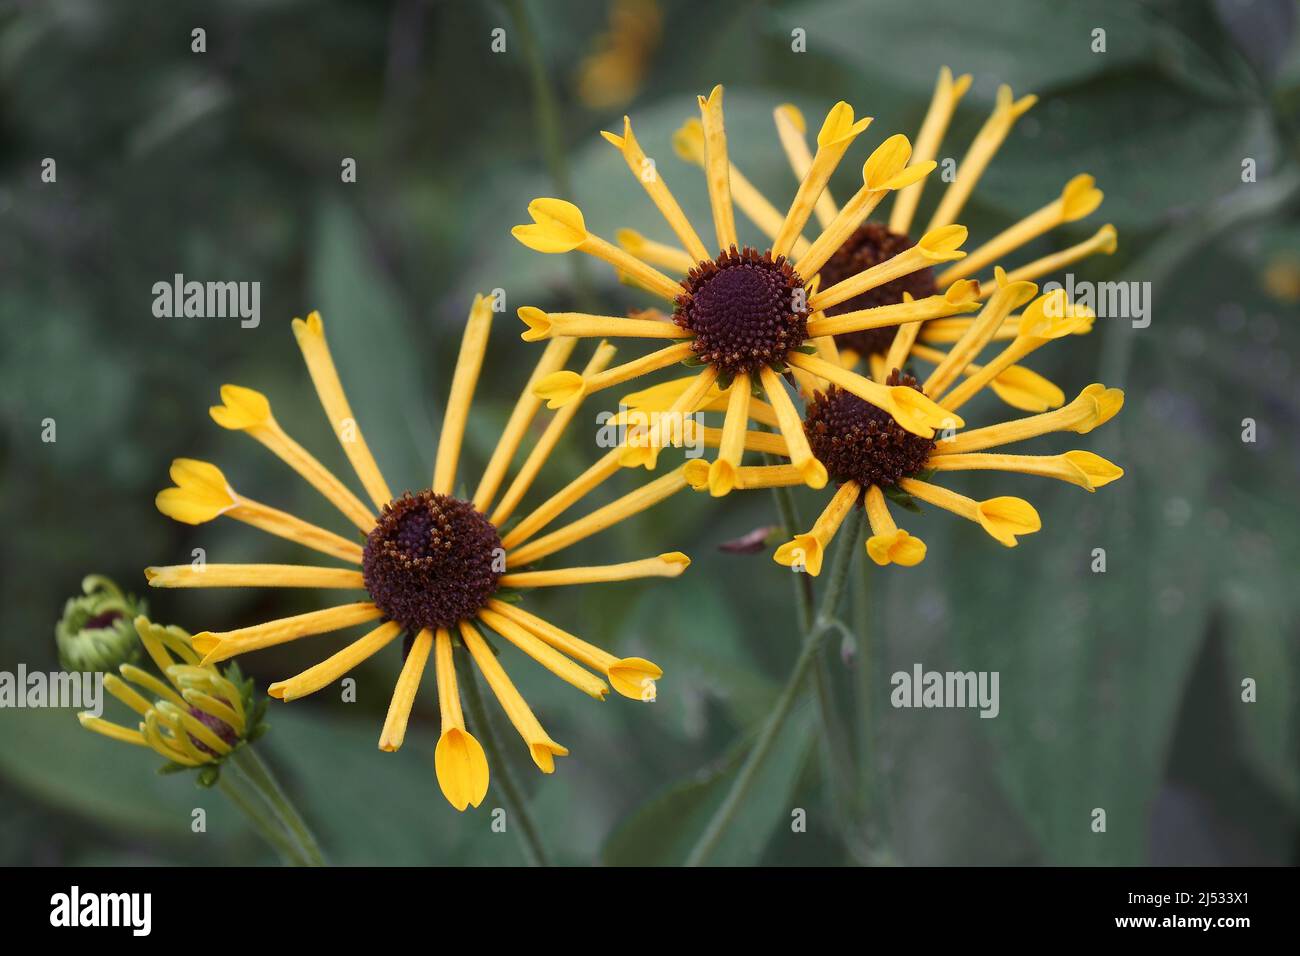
(431, 561)
(857, 441)
(871, 245)
(746, 309)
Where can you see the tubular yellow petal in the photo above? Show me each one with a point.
(408, 683)
(248, 411)
(910, 408)
(838, 132)
(626, 264)
(1104, 241)
(959, 298)
(1009, 295)
(773, 444)
(557, 226)
(181, 718)
(126, 694)
(560, 388)
(668, 565)
(1094, 406)
(642, 445)
(469, 362)
(214, 707)
(201, 493)
(804, 552)
(554, 356)
(655, 253)
(252, 576)
(545, 654)
(731, 449)
(981, 151)
(1018, 386)
(563, 499)
(1003, 518)
(1044, 466)
(546, 443)
(697, 473)
(808, 550)
(284, 525)
(545, 325)
(335, 666)
(791, 129)
(767, 476)
(222, 645)
(801, 456)
(633, 677)
(543, 749)
(320, 365)
(1079, 198)
(717, 168)
(947, 93)
(938, 245)
(150, 683)
(1100, 472)
(630, 504)
(883, 171)
(647, 173)
(111, 730)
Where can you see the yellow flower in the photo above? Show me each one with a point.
(195, 718)
(739, 313)
(617, 66)
(432, 564)
(862, 285)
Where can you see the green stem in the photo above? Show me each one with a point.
(837, 757)
(825, 622)
(248, 784)
(251, 764)
(530, 840)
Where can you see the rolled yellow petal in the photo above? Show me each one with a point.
(910, 408)
(647, 173)
(959, 298)
(1044, 466)
(245, 410)
(561, 388)
(554, 356)
(1104, 241)
(791, 129)
(938, 245)
(807, 551)
(801, 456)
(731, 448)
(773, 444)
(221, 645)
(717, 168)
(469, 362)
(1003, 518)
(214, 707)
(981, 151)
(284, 525)
(335, 666)
(1094, 406)
(641, 446)
(668, 565)
(1016, 385)
(126, 694)
(550, 437)
(252, 576)
(541, 747)
(545, 654)
(320, 365)
(408, 683)
(641, 273)
(609, 464)
(1079, 198)
(888, 543)
(655, 253)
(838, 132)
(1010, 295)
(111, 730)
(622, 508)
(947, 93)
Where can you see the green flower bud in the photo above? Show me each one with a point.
(97, 630)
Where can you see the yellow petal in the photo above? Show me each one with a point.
(896, 547)
(560, 388)
(241, 408)
(462, 768)
(634, 678)
(557, 226)
(201, 492)
(1099, 471)
(1004, 518)
(804, 551)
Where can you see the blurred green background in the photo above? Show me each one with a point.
(1119, 690)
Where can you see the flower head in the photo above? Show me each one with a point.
(195, 717)
(95, 632)
(432, 565)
